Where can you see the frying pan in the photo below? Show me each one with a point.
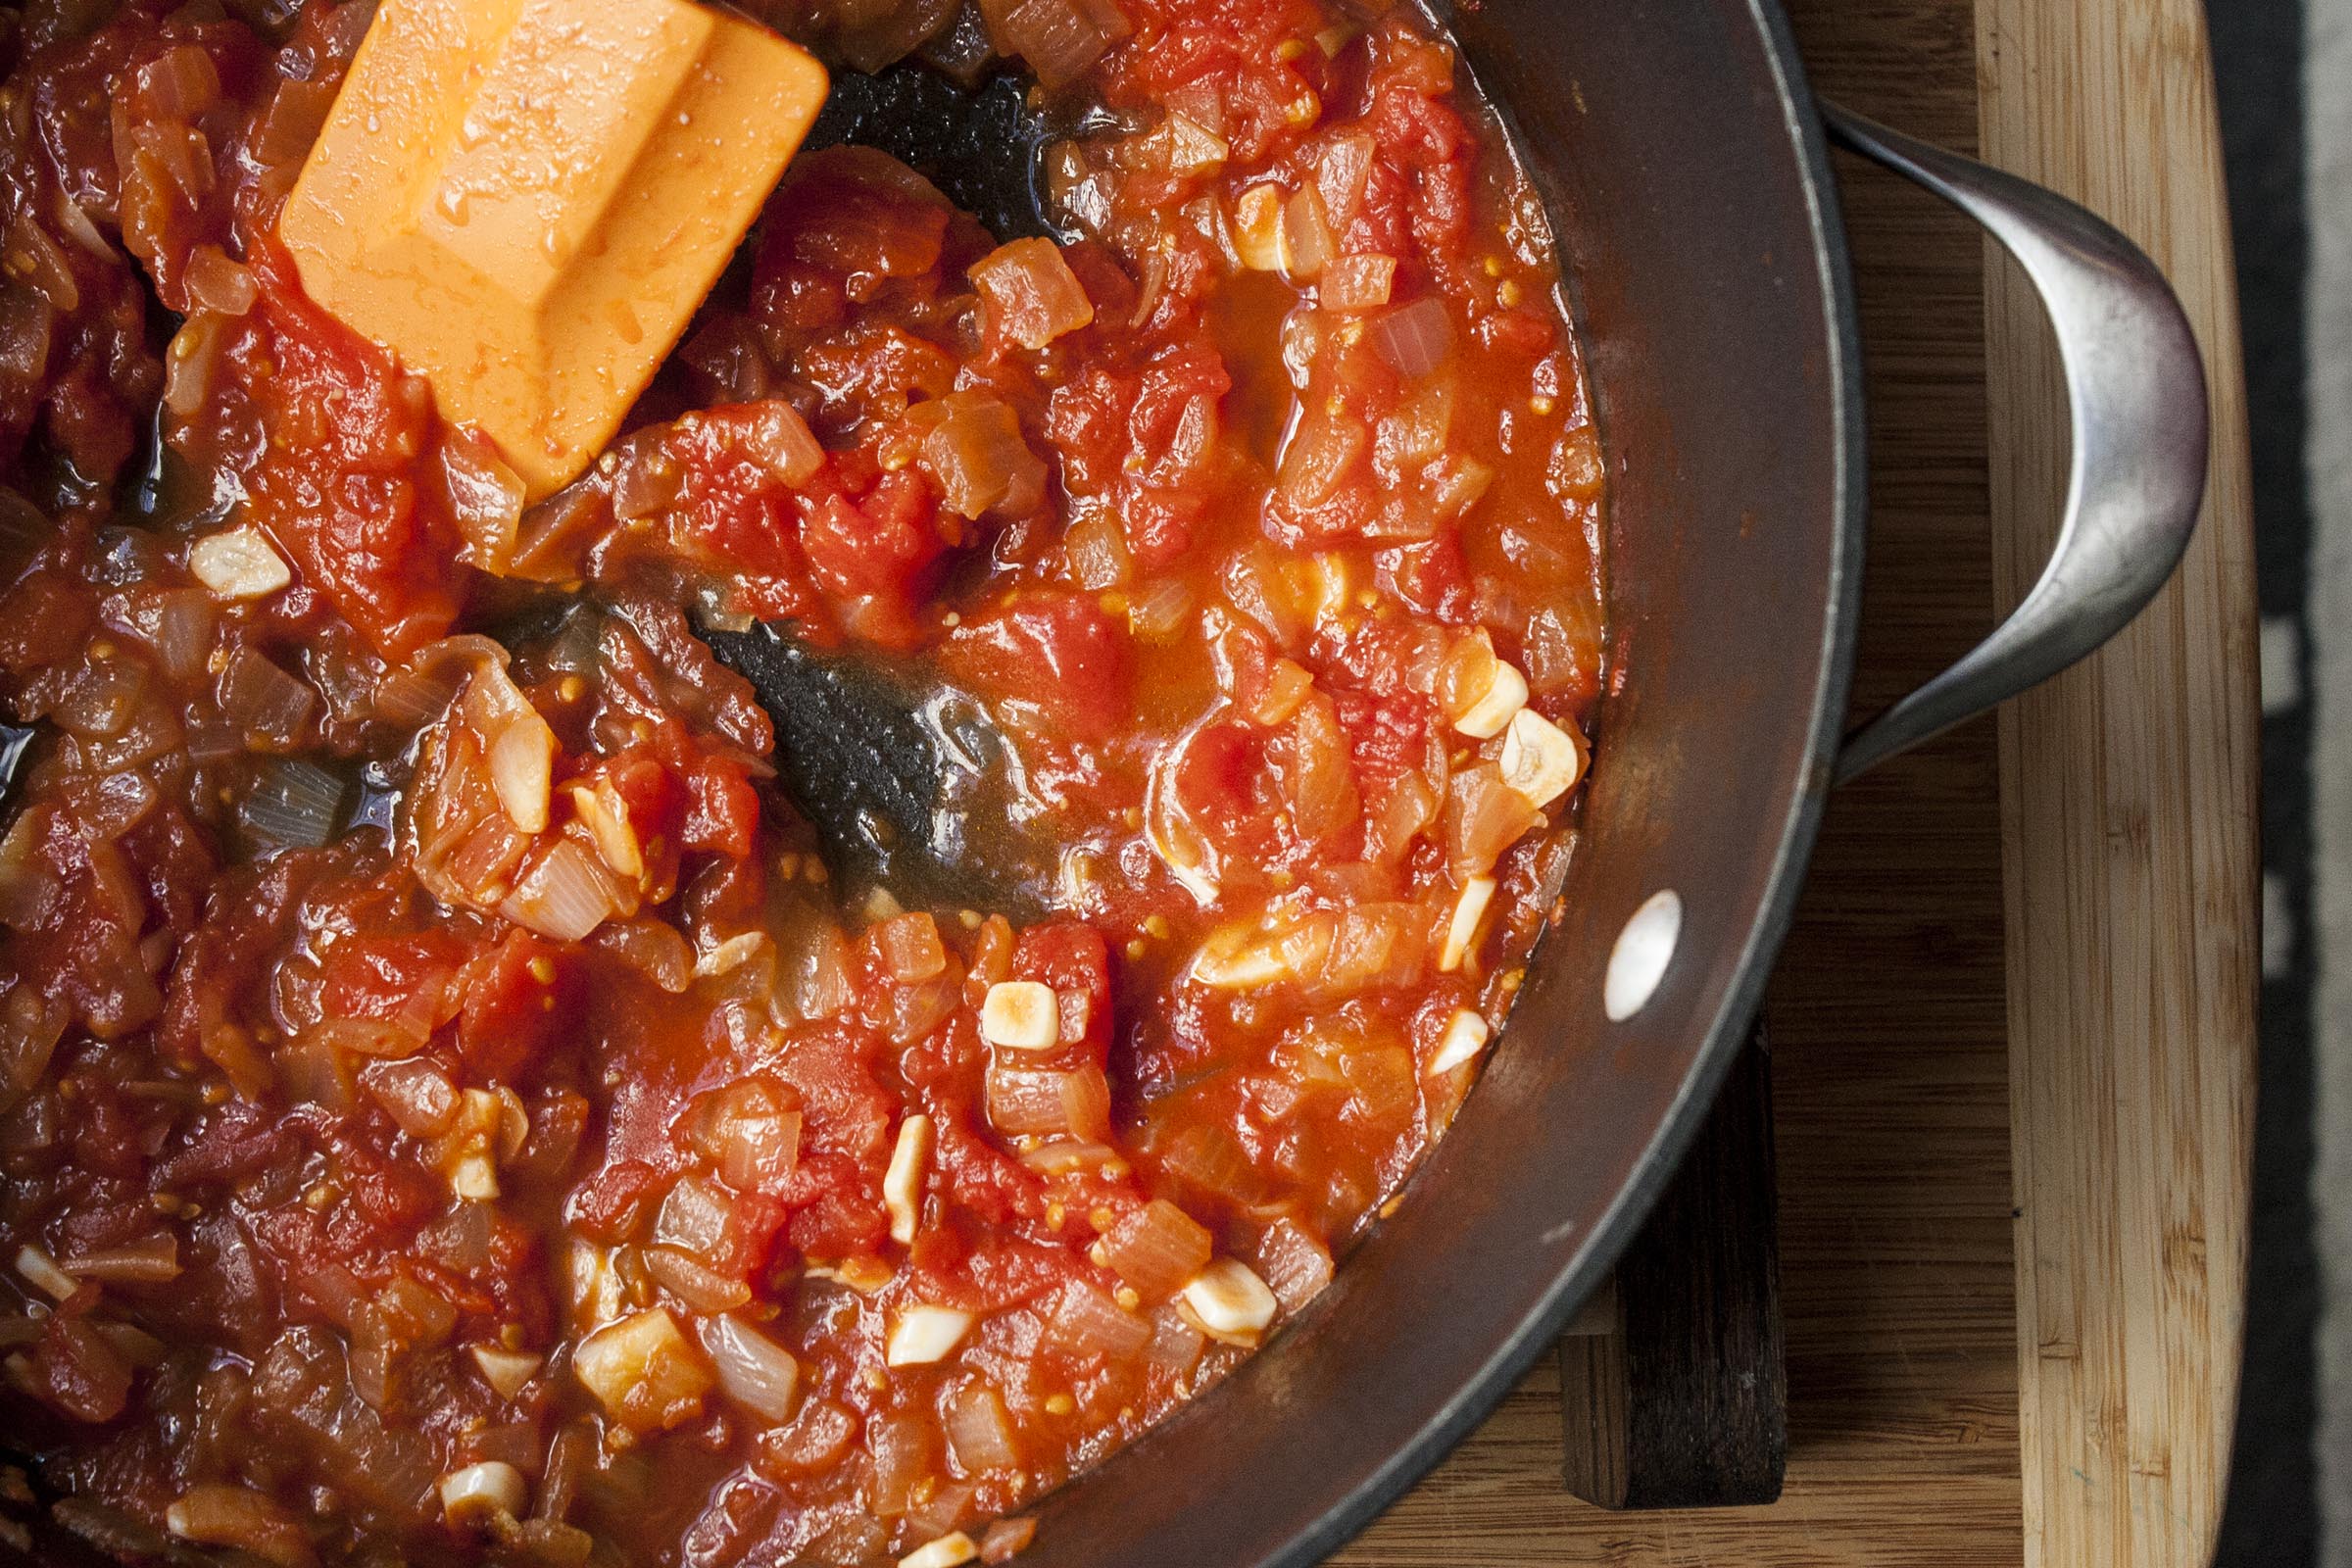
(1685, 167)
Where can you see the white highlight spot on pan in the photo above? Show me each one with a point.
(1637, 962)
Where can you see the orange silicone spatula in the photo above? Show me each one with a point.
(527, 199)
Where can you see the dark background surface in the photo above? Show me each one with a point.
(2272, 1520)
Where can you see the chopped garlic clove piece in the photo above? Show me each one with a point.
(1021, 1016)
(1462, 930)
(482, 1493)
(1505, 695)
(594, 1285)
(1258, 231)
(902, 1183)
(1539, 760)
(730, 954)
(948, 1551)
(506, 1371)
(1229, 1303)
(924, 1333)
(239, 563)
(606, 816)
(1330, 587)
(473, 1178)
(42, 1270)
(1464, 1038)
(1240, 967)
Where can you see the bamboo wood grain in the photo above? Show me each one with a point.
(2128, 801)
(1908, 1271)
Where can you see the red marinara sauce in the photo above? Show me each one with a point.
(447, 1109)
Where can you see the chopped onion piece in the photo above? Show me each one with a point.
(752, 1136)
(979, 1429)
(1006, 1539)
(259, 699)
(703, 1289)
(925, 1333)
(296, 806)
(214, 282)
(1032, 295)
(480, 1493)
(1022, 1103)
(975, 447)
(950, 1550)
(176, 622)
(653, 948)
(1461, 930)
(414, 697)
(643, 1371)
(1191, 147)
(754, 1370)
(1061, 39)
(905, 1450)
(1491, 709)
(1464, 1038)
(1356, 282)
(902, 1183)
(1307, 237)
(226, 1514)
(1159, 610)
(507, 1371)
(1318, 457)
(1484, 816)
(694, 1217)
(1157, 1248)
(1098, 549)
(1539, 760)
(562, 896)
(239, 563)
(781, 440)
(911, 948)
(485, 500)
(1088, 1322)
(1229, 1303)
(1416, 338)
(1179, 845)
(132, 1343)
(1294, 1264)
(1021, 1016)
(415, 1094)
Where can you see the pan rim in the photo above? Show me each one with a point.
(1477, 1396)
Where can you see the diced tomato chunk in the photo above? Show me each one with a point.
(519, 996)
(332, 487)
(722, 811)
(1057, 655)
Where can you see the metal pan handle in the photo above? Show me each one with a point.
(2135, 388)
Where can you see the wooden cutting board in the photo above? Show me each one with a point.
(2014, 1023)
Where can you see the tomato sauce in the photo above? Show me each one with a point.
(450, 1106)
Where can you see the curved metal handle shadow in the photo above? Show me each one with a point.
(2137, 390)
